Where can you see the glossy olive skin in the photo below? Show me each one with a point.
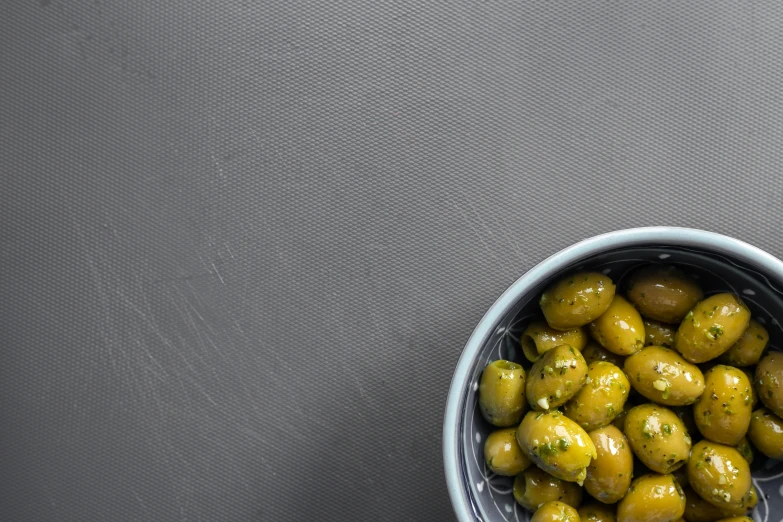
(719, 474)
(657, 437)
(534, 487)
(662, 293)
(597, 512)
(652, 498)
(766, 433)
(746, 449)
(502, 393)
(503, 454)
(555, 377)
(748, 349)
(556, 444)
(754, 395)
(699, 510)
(722, 414)
(621, 329)
(555, 512)
(609, 474)
(657, 333)
(602, 397)
(712, 327)
(769, 377)
(663, 376)
(538, 338)
(576, 300)
(595, 352)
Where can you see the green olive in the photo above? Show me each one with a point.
(556, 444)
(503, 454)
(754, 395)
(769, 376)
(658, 437)
(502, 393)
(610, 472)
(663, 293)
(595, 352)
(766, 433)
(652, 498)
(736, 519)
(555, 377)
(597, 512)
(699, 510)
(747, 351)
(577, 300)
(602, 397)
(534, 487)
(712, 327)
(621, 329)
(722, 413)
(663, 376)
(685, 413)
(719, 474)
(555, 511)
(746, 449)
(538, 338)
(657, 333)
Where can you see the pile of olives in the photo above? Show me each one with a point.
(648, 402)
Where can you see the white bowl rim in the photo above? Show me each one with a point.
(669, 236)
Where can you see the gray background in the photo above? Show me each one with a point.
(244, 241)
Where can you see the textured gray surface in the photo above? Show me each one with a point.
(243, 242)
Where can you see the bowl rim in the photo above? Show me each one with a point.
(633, 237)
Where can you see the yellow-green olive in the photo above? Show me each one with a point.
(597, 512)
(602, 397)
(747, 351)
(754, 395)
(719, 474)
(502, 393)
(746, 449)
(610, 472)
(699, 510)
(722, 413)
(556, 444)
(657, 333)
(712, 327)
(652, 498)
(620, 329)
(658, 437)
(503, 454)
(576, 300)
(766, 433)
(595, 352)
(663, 293)
(663, 376)
(539, 337)
(534, 487)
(555, 377)
(555, 512)
(769, 377)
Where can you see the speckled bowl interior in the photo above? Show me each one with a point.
(489, 496)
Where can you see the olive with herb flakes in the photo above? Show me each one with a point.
(746, 449)
(534, 487)
(699, 510)
(766, 433)
(657, 333)
(595, 352)
(719, 474)
(539, 337)
(555, 377)
(663, 376)
(555, 512)
(652, 498)
(597, 512)
(601, 399)
(610, 472)
(662, 292)
(576, 300)
(712, 327)
(502, 393)
(769, 377)
(657, 437)
(722, 413)
(503, 454)
(748, 349)
(620, 329)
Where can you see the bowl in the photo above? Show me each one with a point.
(717, 262)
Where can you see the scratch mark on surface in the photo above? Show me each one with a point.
(218, 274)
(229, 251)
(475, 231)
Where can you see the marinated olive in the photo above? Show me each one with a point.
(722, 413)
(658, 437)
(555, 377)
(663, 293)
(556, 444)
(602, 397)
(538, 338)
(663, 376)
(685, 413)
(577, 300)
(555, 512)
(712, 327)
(502, 393)
(503, 454)
(610, 472)
(657, 333)
(751, 374)
(534, 487)
(699, 510)
(652, 498)
(736, 519)
(766, 433)
(597, 512)
(747, 351)
(620, 330)
(595, 352)
(746, 449)
(719, 474)
(769, 376)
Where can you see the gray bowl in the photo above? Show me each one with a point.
(718, 262)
